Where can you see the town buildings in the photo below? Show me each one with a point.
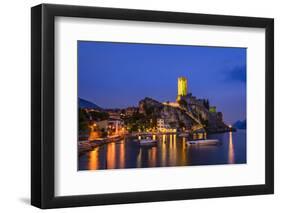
(186, 114)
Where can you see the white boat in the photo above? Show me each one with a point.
(204, 142)
(148, 142)
(184, 134)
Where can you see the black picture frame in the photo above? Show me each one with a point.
(43, 102)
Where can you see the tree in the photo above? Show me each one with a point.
(83, 120)
(99, 116)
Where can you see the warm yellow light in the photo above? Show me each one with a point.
(182, 86)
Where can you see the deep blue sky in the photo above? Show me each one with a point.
(117, 75)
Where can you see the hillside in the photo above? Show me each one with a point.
(240, 124)
(87, 104)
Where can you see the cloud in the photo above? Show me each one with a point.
(236, 74)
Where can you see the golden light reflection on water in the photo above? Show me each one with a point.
(122, 154)
(164, 138)
(110, 155)
(183, 140)
(171, 150)
(152, 157)
(164, 148)
(184, 152)
(230, 149)
(93, 162)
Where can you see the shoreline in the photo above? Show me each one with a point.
(89, 145)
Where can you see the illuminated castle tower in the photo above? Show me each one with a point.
(182, 88)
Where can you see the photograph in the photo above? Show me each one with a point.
(160, 105)
(138, 105)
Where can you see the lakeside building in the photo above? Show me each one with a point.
(187, 114)
(115, 127)
(104, 128)
(98, 128)
(164, 127)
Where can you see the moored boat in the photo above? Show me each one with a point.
(204, 142)
(148, 142)
(184, 134)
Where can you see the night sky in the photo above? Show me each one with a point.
(118, 75)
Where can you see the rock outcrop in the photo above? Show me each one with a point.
(175, 117)
(180, 117)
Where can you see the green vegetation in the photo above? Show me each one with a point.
(83, 120)
(140, 122)
(99, 116)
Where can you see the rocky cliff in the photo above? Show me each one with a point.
(179, 117)
(175, 117)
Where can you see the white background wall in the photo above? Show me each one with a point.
(15, 105)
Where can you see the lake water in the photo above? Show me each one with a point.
(170, 151)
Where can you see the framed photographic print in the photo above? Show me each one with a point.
(140, 106)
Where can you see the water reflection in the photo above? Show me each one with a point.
(93, 159)
(152, 157)
(110, 156)
(164, 150)
(230, 149)
(139, 159)
(122, 155)
(171, 150)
